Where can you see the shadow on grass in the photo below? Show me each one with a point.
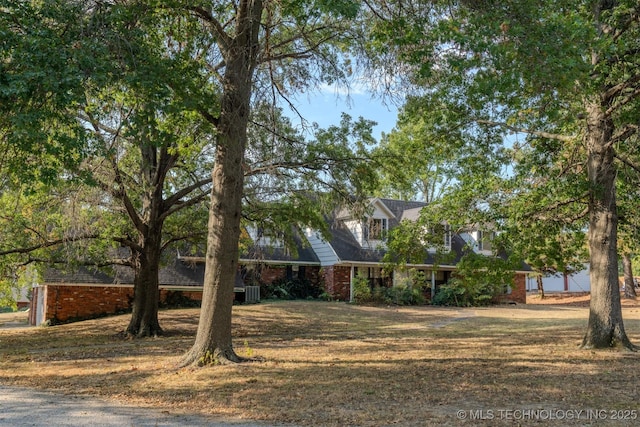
(337, 364)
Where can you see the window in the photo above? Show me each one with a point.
(447, 236)
(437, 237)
(376, 228)
(267, 238)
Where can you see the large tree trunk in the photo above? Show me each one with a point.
(605, 328)
(213, 342)
(147, 251)
(144, 317)
(629, 283)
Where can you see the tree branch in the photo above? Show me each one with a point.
(626, 132)
(541, 134)
(627, 99)
(218, 30)
(174, 198)
(178, 206)
(47, 244)
(626, 161)
(121, 194)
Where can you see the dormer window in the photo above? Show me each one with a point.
(376, 228)
(447, 237)
(438, 237)
(262, 238)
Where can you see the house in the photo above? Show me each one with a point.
(83, 292)
(354, 248)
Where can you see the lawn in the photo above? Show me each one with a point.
(335, 364)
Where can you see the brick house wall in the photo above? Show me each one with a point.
(313, 275)
(65, 303)
(166, 293)
(269, 274)
(518, 292)
(68, 302)
(337, 282)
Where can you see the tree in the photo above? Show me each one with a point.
(143, 144)
(151, 147)
(432, 168)
(42, 75)
(550, 239)
(563, 73)
(272, 45)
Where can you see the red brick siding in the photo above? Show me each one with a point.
(337, 280)
(192, 295)
(519, 291)
(64, 302)
(270, 274)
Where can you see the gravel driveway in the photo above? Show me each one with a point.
(27, 407)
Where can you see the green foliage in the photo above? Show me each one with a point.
(505, 87)
(403, 294)
(295, 181)
(409, 291)
(361, 290)
(50, 52)
(464, 293)
(413, 241)
(434, 155)
(290, 289)
(479, 281)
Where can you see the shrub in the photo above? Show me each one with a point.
(402, 294)
(479, 280)
(176, 299)
(407, 292)
(290, 289)
(361, 290)
(461, 293)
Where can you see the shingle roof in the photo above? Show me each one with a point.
(399, 206)
(178, 273)
(349, 249)
(305, 253)
(81, 274)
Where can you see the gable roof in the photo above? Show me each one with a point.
(399, 207)
(349, 250)
(305, 254)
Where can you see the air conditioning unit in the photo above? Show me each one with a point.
(251, 294)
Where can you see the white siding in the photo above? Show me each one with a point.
(323, 249)
(578, 282)
(356, 228)
(471, 238)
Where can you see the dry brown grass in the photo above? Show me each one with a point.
(334, 364)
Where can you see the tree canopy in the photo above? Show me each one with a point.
(563, 77)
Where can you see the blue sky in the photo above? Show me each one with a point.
(326, 106)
